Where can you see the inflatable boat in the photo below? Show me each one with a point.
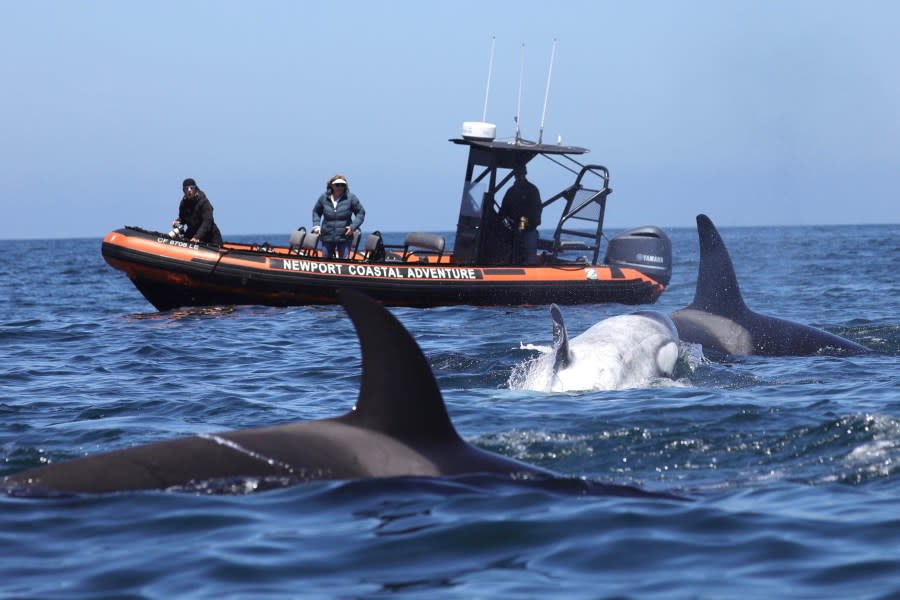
(483, 266)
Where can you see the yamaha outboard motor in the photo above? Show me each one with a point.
(645, 249)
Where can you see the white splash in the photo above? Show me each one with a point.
(881, 454)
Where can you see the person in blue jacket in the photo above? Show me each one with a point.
(340, 213)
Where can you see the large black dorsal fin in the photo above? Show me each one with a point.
(398, 394)
(560, 339)
(717, 286)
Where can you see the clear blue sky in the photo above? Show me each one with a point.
(754, 112)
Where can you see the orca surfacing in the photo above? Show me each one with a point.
(619, 352)
(399, 427)
(718, 319)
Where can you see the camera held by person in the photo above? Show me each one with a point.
(177, 232)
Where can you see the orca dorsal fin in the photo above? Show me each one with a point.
(717, 286)
(560, 339)
(398, 394)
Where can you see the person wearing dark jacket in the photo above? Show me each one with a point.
(522, 207)
(196, 213)
(340, 214)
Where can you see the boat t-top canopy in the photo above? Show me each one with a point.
(518, 148)
(481, 235)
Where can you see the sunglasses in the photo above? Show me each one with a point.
(338, 185)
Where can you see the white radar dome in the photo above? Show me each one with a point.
(478, 130)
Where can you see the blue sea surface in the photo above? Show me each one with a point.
(789, 466)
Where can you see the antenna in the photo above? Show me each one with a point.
(547, 93)
(519, 101)
(487, 91)
(482, 130)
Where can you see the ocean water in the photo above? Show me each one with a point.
(789, 467)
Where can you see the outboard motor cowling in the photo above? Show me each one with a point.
(646, 249)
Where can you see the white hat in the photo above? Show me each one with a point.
(339, 181)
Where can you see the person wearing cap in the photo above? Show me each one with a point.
(336, 215)
(522, 207)
(196, 213)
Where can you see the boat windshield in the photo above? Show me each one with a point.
(473, 193)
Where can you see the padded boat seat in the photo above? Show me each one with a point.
(374, 249)
(574, 245)
(417, 242)
(310, 241)
(296, 240)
